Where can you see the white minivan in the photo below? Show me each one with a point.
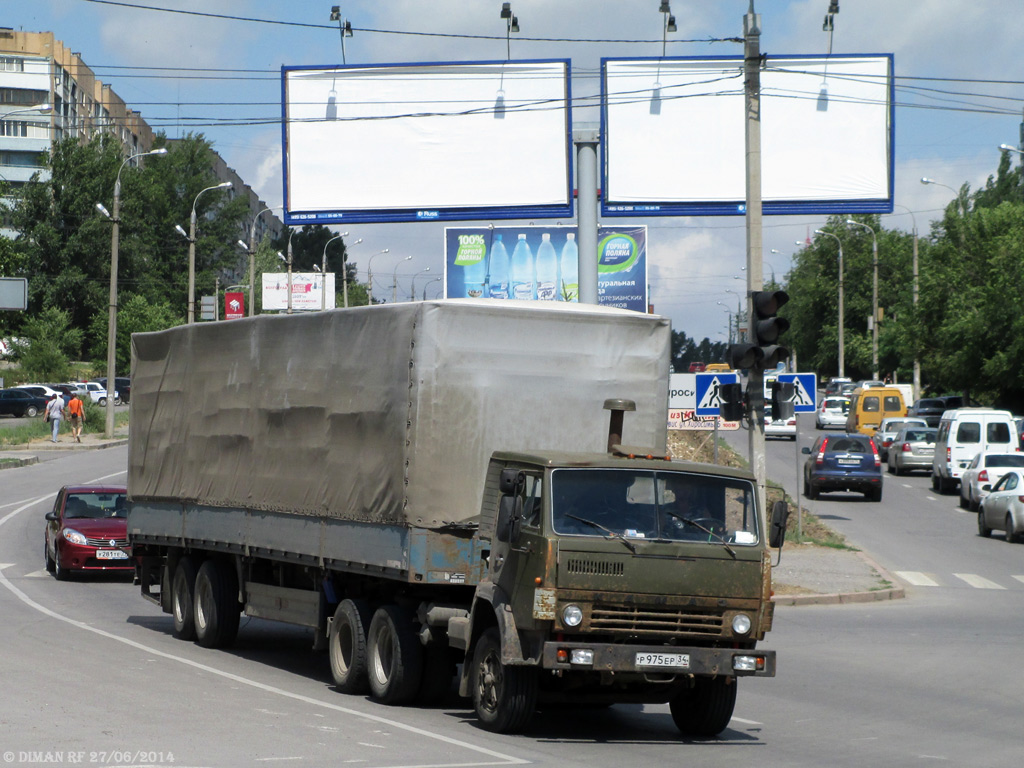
(963, 434)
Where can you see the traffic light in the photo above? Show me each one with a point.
(768, 327)
(782, 399)
(732, 407)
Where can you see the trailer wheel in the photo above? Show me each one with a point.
(395, 656)
(505, 697)
(216, 604)
(706, 709)
(347, 646)
(182, 590)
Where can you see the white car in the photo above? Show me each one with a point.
(94, 390)
(985, 470)
(780, 427)
(832, 412)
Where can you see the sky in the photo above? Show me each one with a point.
(959, 95)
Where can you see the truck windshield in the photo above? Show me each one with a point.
(642, 504)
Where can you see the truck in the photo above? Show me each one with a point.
(432, 490)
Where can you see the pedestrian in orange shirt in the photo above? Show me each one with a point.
(77, 411)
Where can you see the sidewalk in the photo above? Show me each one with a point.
(31, 453)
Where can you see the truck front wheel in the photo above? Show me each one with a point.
(216, 604)
(182, 589)
(395, 662)
(505, 697)
(347, 646)
(706, 709)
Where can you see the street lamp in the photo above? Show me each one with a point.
(288, 261)
(323, 272)
(394, 280)
(112, 316)
(192, 251)
(842, 346)
(725, 308)
(251, 248)
(428, 283)
(874, 294)
(369, 273)
(412, 293)
(917, 359)
(344, 269)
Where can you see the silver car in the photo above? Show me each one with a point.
(832, 412)
(911, 449)
(984, 471)
(1002, 509)
(887, 430)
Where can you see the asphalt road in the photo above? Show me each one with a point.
(90, 668)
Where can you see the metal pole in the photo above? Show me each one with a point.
(842, 312)
(192, 266)
(586, 141)
(108, 430)
(252, 259)
(752, 90)
(874, 295)
(917, 355)
(289, 311)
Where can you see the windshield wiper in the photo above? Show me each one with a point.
(609, 531)
(700, 527)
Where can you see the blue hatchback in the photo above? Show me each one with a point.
(842, 462)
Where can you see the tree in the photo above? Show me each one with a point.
(135, 314)
(51, 338)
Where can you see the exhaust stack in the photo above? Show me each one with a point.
(618, 408)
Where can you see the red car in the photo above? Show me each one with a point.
(87, 530)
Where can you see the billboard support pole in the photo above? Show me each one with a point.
(755, 382)
(586, 141)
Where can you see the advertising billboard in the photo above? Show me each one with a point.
(424, 142)
(307, 291)
(542, 264)
(674, 135)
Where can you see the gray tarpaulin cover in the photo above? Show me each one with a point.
(385, 413)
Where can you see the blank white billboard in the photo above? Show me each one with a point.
(674, 135)
(307, 288)
(415, 142)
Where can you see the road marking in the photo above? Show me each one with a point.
(497, 758)
(917, 579)
(745, 722)
(1019, 578)
(978, 582)
(37, 575)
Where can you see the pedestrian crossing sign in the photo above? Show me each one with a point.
(709, 401)
(805, 385)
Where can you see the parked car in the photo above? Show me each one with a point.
(778, 427)
(39, 390)
(835, 385)
(122, 388)
(848, 389)
(94, 391)
(911, 449)
(985, 469)
(1003, 508)
(843, 462)
(832, 412)
(887, 430)
(18, 402)
(87, 530)
(963, 434)
(931, 408)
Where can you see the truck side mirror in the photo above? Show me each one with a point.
(777, 527)
(511, 480)
(510, 508)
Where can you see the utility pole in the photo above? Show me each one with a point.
(755, 282)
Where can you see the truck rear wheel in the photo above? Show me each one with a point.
(347, 646)
(706, 709)
(216, 604)
(395, 656)
(182, 590)
(505, 697)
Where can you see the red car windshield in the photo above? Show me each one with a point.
(96, 505)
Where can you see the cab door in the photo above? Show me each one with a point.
(518, 548)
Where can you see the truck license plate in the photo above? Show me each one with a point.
(111, 554)
(662, 660)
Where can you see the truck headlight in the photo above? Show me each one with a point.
(572, 615)
(741, 624)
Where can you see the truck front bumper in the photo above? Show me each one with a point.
(657, 659)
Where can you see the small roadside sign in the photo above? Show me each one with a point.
(14, 293)
(805, 385)
(207, 307)
(709, 400)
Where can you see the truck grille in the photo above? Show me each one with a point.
(594, 567)
(635, 620)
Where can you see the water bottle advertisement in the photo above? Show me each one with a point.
(542, 264)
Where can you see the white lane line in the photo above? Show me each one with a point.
(499, 758)
(745, 722)
(1019, 578)
(917, 579)
(978, 582)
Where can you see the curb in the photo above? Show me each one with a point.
(14, 463)
(872, 596)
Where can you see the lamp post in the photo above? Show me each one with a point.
(842, 315)
(874, 294)
(288, 260)
(323, 272)
(914, 268)
(192, 251)
(252, 257)
(394, 280)
(369, 273)
(112, 316)
(726, 309)
(430, 282)
(412, 293)
(344, 269)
